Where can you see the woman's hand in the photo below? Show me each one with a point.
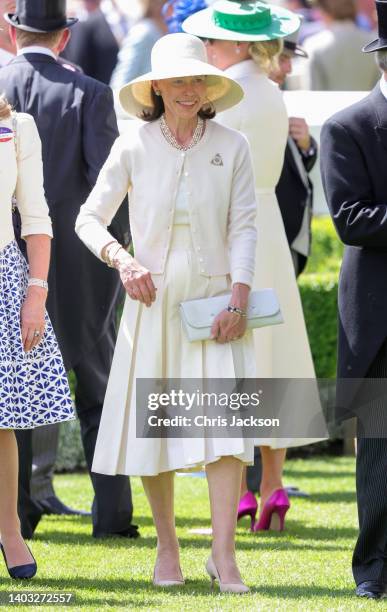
(231, 325)
(32, 317)
(228, 326)
(136, 279)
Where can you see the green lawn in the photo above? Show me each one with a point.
(306, 568)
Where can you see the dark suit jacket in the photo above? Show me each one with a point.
(354, 173)
(93, 47)
(293, 196)
(76, 122)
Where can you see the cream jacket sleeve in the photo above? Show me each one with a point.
(242, 232)
(102, 204)
(30, 196)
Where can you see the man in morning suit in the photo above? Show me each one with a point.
(77, 125)
(354, 164)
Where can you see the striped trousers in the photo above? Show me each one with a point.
(370, 555)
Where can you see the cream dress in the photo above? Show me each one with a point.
(152, 344)
(281, 351)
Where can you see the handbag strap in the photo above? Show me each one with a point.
(16, 145)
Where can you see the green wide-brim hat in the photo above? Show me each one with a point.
(242, 21)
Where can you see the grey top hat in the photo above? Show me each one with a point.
(40, 16)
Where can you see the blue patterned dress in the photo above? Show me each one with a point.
(33, 386)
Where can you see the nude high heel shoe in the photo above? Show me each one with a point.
(225, 587)
(166, 583)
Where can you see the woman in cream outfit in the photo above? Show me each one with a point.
(33, 384)
(281, 351)
(192, 211)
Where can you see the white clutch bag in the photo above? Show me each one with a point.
(198, 315)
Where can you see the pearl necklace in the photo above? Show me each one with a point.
(169, 137)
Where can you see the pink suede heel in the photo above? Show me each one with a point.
(248, 506)
(273, 513)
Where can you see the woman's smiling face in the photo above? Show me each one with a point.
(183, 97)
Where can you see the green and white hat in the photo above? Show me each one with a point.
(242, 21)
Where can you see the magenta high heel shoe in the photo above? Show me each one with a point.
(248, 506)
(273, 513)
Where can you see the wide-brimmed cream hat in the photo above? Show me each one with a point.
(180, 55)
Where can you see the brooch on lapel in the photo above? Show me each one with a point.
(5, 134)
(217, 160)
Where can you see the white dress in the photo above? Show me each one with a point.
(152, 344)
(281, 351)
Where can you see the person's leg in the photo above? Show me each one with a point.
(370, 555)
(29, 511)
(160, 493)
(224, 485)
(15, 549)
(112, 506)
(273, 460)
(369, 560)
(44, 450)
(252, 474)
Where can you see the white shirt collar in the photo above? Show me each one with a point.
(383, 86)
(37, 49)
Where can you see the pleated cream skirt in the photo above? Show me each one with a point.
(152, 344)
(283, 351)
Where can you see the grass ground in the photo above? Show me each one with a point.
(308, 567)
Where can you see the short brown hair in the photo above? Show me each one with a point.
(340, 10)
(46, 39)
(159, 108)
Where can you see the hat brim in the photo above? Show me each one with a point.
(13, 20)
(222, 92)
(283, 24)
(375, 45)
(295, 52)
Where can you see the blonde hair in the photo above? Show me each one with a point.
(265, 54)
(5, 108)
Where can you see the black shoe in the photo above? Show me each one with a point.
(295, 492)
(53, 505)
(372, 589)
(130, 532)
(20, 572)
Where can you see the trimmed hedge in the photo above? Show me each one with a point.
(318, 288)
(319, 300)
(327, 250)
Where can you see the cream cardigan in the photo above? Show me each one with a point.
(221, 199)
(23, 175)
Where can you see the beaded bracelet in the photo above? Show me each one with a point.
(236, 310)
